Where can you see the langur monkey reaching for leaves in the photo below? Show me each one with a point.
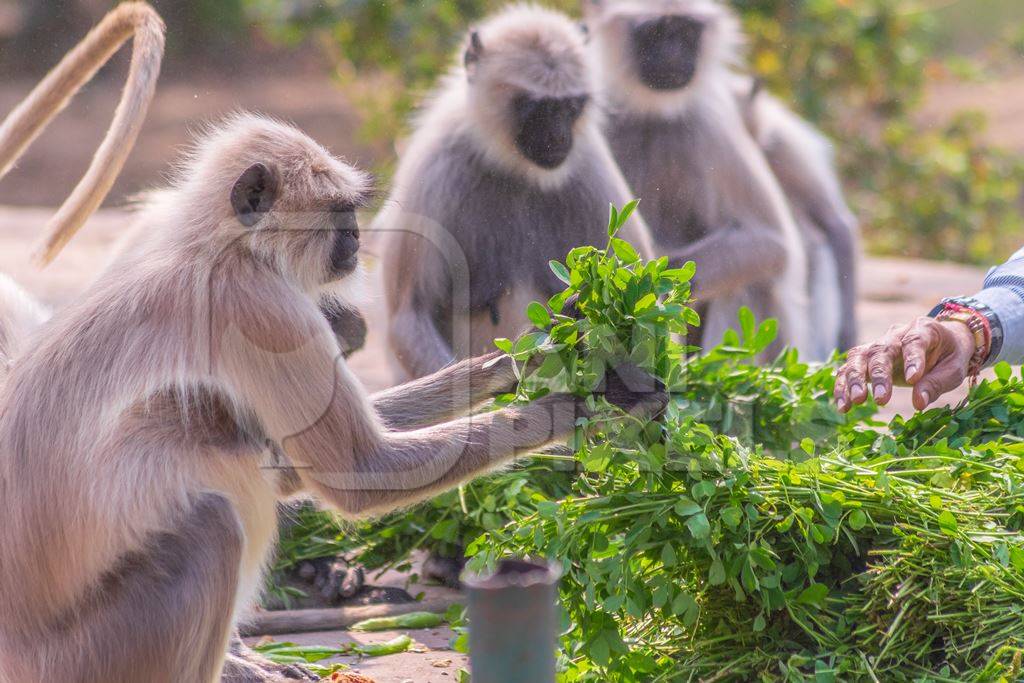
(149, 428)
(506, 170)
(680, 140)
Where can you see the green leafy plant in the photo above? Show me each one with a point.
(759, 535)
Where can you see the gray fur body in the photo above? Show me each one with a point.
(705, 186)
(708, 197)
(802, 159)
(506, 227)
(471, 224)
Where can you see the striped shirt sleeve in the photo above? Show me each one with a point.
(1004, 295)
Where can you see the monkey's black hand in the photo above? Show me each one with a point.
(333, 578)
(349, 327)
(571, 307)
(634, 390)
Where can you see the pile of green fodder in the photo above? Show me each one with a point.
(751, 533)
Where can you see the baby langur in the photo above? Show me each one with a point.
(802, 159)
(506, 170)
(149, 428)
(681, 143)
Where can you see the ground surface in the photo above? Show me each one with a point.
(429, 659)
(892, 291)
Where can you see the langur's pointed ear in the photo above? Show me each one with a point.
(254, 193)
(474, 51)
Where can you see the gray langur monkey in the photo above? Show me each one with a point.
(706, 188)
(506, 169)
(803, 161)
(148, 429)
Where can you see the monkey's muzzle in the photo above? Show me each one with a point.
(345, 250)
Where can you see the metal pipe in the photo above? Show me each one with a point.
(513, 622)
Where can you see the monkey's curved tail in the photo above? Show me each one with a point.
(54, 92)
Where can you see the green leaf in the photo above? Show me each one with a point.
(626, 212)
(766, 334)
(624, 250)
(759, 623)
(644, 303)
(814, 594)
(716, 574)
(747, 324)
(686, 507)
(699, 526)
(503, 344)
(685, 607)
(538, 315)
(807, 446)
(613, 220)
(683, 274)
(947, 523)
(732, 516)
(1003, 371)
(668, 555)
(599, 650)
(858, 520)
(560, 271)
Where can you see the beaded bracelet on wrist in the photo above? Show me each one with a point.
(995, 326)
(979, 327)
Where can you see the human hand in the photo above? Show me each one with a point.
(931, 356)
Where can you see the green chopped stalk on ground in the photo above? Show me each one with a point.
(390, 647)
(412, 620)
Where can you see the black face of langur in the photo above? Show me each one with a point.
(667, 50)
(544, 127)
(345, 252)
(256, 191)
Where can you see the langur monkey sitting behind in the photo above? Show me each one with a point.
(137, 471)
(803, 161)
(680, 140)
(506, 170)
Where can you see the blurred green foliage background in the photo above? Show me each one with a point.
(857, 68)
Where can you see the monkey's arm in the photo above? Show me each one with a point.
(445, 394)
(277, 355)
(348, 325)
(416, 341)
(412, 333)
(730, 259)
(406, 467)
(755, 236)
